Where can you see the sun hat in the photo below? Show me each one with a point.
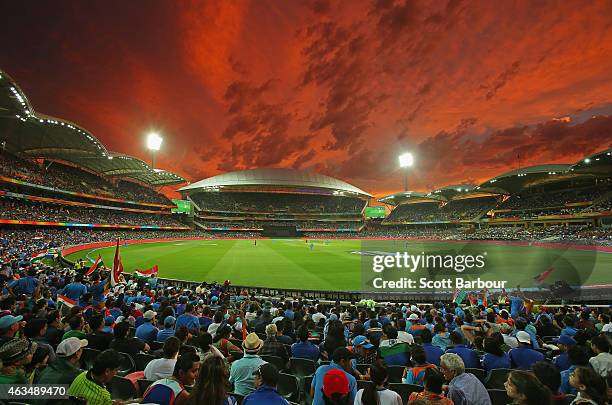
(523, 337)
(252, 343)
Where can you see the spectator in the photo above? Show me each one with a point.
(123, 343)
(36, 329)
(211, 387)
(76, 323)
(591, 387)
(562, 360)
(578, 357)
(168, 330)
(98, 339)
(188, 319)
(75, 290)
(172, 390)
(225, 346)
(463, 388)
(335, 387)
(550, 376)
(394, 351)
(9, 326)
(65, 368)
(378, 394)
(147, 332)
(602, 361)
(266, 380)
(164, 367)
(494, 356)
(569, 329)
(271, 346)
(432, 353)
(54, 333)
(303, 348)
(432, 394)
(415, 374)
(241, 372)
(365, 352)
(525, 389)
(469, 356)
(524, 356)
(91, 385)
(40, 358)
(15, 355)
(440, 339)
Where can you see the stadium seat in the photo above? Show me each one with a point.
(395, 373)
(404, 390)
(143, 384)
(277, 361)
(301, 367)
(141, 360)
(549, 339)
(499, 397)
(88, 356)
(497, 378)
(127, 364)
(288, 387)
(479, 373)
(122, 388)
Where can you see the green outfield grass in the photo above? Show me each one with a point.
(340, 264)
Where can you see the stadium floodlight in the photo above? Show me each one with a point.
(587, 160)
(406, 160)
(154, 142)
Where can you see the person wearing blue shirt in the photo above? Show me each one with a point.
(440, 339)
(516, 305)
(578, 356)
(569, 329)
(75, 290)
(97, 289)
(432, 353)
(147, 331)
(25, 285)
(562, 361)
(168, 330)
(303, 349)
(524, 356)
(266, 381)
(341, 360)
(188, 319)
(494, 356)
(469, 356)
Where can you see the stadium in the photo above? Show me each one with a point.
(90, 243)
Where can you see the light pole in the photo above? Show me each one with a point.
(406, 160)
(154, 142)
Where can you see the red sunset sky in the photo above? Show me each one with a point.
(338, 87)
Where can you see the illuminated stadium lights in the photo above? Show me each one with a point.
(587, 160)
(154, 142)
(406, 160)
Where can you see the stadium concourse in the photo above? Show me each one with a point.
(154, 339)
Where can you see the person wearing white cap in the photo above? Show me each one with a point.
(65, 368)
(147, 331)
(524, 356)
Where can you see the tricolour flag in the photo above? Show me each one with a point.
(460, 296)
(66, 301)
(147, 273)
(95, 265)
(40, 255)
(117, 267)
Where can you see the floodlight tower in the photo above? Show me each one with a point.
(406, 160)
(154, 142)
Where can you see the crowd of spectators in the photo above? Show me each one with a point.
(249, 224)
(68, 178)
(16, 209)
(426, 211)
(277, 203)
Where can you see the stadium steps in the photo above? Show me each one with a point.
(199, 225)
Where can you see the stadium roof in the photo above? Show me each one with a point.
(275, 177)
(33, 135)
(406, 196)
(454, 190)
(516, 180)
(599, 163)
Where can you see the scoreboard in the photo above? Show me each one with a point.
(375, 212)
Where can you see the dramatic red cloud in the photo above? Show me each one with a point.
(339, 88)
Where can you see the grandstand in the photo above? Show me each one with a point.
(259, 198)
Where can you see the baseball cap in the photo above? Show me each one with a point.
(169, 321)
(335, 382)
(70, 346)
(523, 337)
(214, 298)
(149, 314)
(268, 373)
(413, 317)
(362, 341)
(566, 340)
(9, 320)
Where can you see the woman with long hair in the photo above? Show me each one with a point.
(221, 341)
(494, 357)
(212, 385)
(590, 385)
(525, 389)
(432, 394)
(378, 393)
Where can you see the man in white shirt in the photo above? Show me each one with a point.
(602, 362)
(164, 367)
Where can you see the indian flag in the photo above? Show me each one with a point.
(117, 268)
(95, 266)
(65, 300)
(147, 273)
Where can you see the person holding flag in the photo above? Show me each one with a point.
(95, 266)
(73, 291)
